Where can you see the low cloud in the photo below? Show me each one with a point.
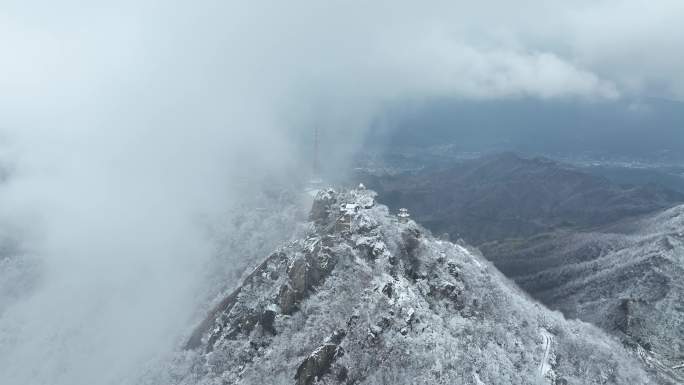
(123, 123)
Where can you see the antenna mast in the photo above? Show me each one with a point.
(316, 165)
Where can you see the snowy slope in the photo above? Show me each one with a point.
(627, 278)
(365, 299)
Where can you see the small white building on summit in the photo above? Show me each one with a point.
(403, 215)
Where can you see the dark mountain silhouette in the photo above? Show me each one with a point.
(508, 196)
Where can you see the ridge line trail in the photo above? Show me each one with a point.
(544, 364)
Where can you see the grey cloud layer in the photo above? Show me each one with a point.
(121, 122)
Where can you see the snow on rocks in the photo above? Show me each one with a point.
(378, 302)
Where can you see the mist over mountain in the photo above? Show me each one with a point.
(153, 154)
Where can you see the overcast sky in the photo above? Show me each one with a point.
(122, 121)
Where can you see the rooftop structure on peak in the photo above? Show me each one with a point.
(403, 215)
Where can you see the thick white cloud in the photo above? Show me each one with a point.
(637, 44)
(123, 121)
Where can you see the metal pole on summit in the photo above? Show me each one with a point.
(316, 165)
(315, 181)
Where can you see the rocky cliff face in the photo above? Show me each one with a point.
(365, 299)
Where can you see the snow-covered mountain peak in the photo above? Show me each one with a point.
(367, 298)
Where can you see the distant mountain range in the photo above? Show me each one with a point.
(506, 195)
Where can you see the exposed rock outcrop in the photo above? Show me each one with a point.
(380, 301)
(319, 362)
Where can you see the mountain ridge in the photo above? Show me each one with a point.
(366, 298)
(624, 277)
